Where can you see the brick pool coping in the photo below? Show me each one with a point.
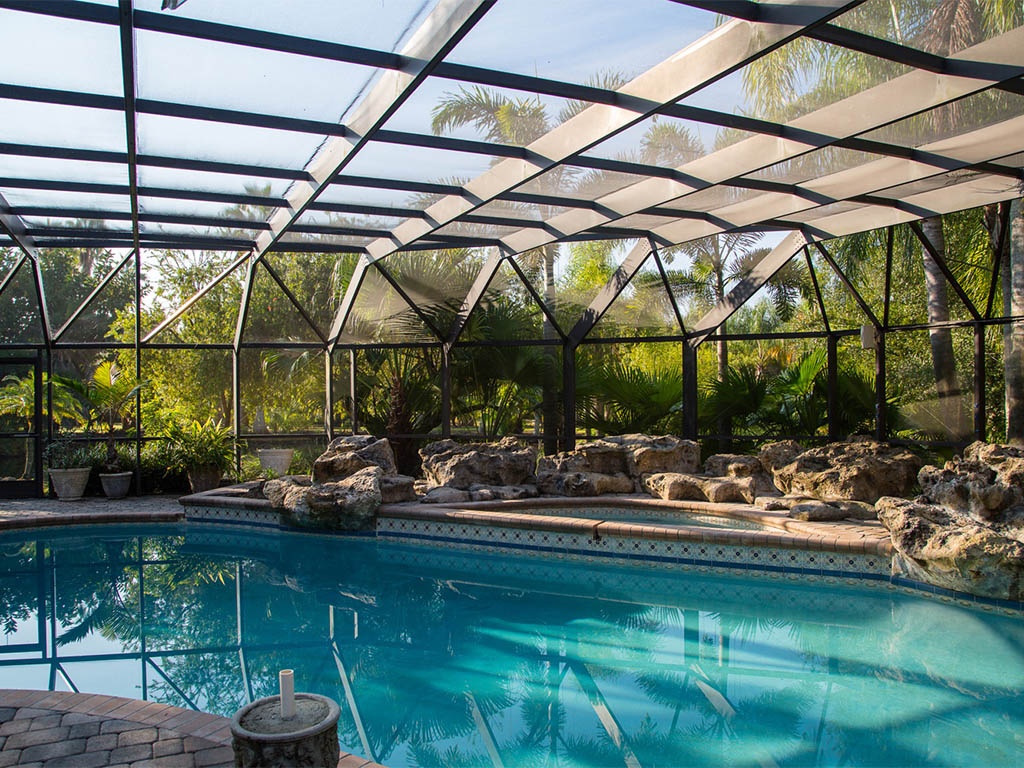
(91, 730)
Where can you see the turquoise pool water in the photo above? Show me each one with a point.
(442, 659)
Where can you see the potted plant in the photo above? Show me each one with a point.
(109, 395)
(203, 451)
(69, 465)
(275, 460)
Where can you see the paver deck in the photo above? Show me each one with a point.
(55, 729)
(34, 513)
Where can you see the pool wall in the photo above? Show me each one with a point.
(849, 552)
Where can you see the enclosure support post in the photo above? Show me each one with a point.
(138, 371)
(833, 387)
(329, 394)
(689, 390)
(979, 381)
(236, 410)
(881, 428)
(37, 412)
(569, 396)
(353, 413)
(446, 392)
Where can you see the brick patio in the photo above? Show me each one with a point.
(47, 729)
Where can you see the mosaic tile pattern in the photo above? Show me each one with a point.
(680, 554)
(251, 517)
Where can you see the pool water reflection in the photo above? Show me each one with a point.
(446, 659)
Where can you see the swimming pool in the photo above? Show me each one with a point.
(459, 658)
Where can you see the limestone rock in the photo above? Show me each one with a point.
(777, 455)
(816, 511)
(1007, 460)
(770, 503)
(501, 492)
(462, 465)
(583, 483)
(614, 464)
(443, 494)
(983, 484)
(647, 454)
(682, 486)
(349, 504)
(347, 455)
(732, 465)
(675, 486)
(395, 489)
(861, 470)
(722, 490)
(782, 502)
(740, 466)
(949, 549)
(855, 510)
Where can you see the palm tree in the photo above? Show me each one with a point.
(519, 121)
(108, 395)
(18, 400)
(774, 87)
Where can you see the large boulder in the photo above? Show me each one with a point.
(463, 465)
(983, 484)
(395, 489)
(646, 454)
(732, 465)
(614, 464)
(681, 486)
(348, 504)
(583, 483)
(955, 551)
(860, 470)
(741, 466)
(347, 455)
(777, 455)
(676, 486)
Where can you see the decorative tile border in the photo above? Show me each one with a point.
(684, 555)
(702, 557)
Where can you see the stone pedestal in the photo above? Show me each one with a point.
(261, 739)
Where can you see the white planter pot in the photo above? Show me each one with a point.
(69, 484)
(277, 460)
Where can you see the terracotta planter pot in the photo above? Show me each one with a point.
(277, 460)
(116, 484)
(204, 478)
(69, 484)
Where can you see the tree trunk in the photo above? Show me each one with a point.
(550, 401)
(722, 348)
(29, 442)
(950, 407)
(1012, 274)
